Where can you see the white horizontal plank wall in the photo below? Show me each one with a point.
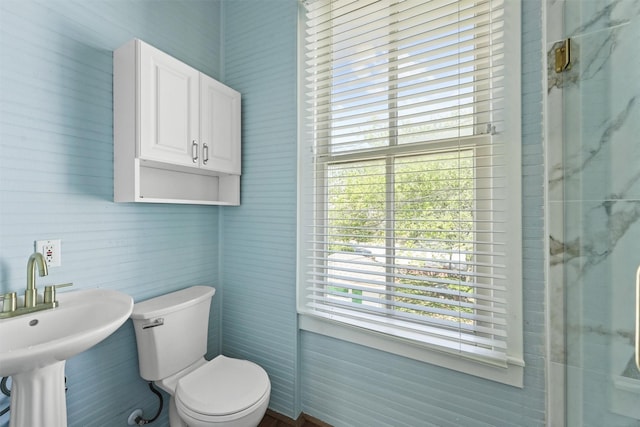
(258, 260)
(56, 178)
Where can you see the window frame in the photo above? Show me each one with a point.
(512, 374)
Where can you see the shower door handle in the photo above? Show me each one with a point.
(638, 318)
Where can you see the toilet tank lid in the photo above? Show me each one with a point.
(173, 301)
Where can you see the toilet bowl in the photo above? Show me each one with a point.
(243, 400)
(171, 335)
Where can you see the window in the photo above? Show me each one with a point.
(410, 236)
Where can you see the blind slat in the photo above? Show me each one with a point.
(443, 327)
(360, 285)
(442, 338)
(434, 270)
(346, 301)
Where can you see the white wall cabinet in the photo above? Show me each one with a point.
(176, 131)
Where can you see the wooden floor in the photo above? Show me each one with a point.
(273, 419)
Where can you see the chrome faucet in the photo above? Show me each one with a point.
(31, 293)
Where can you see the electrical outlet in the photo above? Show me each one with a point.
(51, 249)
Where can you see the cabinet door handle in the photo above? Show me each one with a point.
(194, 151)
(205, 153)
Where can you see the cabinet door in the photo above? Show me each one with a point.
(219, 126)
(168, 108)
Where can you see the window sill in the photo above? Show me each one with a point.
(510, 375)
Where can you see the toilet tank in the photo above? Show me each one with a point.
(171, 331)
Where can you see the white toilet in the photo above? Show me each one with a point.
(171, 333)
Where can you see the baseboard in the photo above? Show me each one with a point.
(313, 420)
(283, 418)
(299, 422)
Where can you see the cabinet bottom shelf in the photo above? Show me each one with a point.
(156, 185)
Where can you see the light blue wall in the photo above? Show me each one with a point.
(259, 238)
(56, 176)
(56, 182)
(342, 383)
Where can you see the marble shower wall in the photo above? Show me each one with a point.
(594, 208)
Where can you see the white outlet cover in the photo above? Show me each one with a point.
(51, 249)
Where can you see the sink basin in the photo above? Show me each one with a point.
(35, 346)
(83, 319)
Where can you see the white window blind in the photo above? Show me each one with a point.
(410, 194)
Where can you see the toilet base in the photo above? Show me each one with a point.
(174, 418)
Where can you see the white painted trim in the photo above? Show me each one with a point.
(511, 375)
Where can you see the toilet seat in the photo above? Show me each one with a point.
(223, 387)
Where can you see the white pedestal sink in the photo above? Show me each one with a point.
(34, 348)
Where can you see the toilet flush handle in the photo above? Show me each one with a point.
(156, 322)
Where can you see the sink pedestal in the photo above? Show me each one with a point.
(38, 397)
(35, 346)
